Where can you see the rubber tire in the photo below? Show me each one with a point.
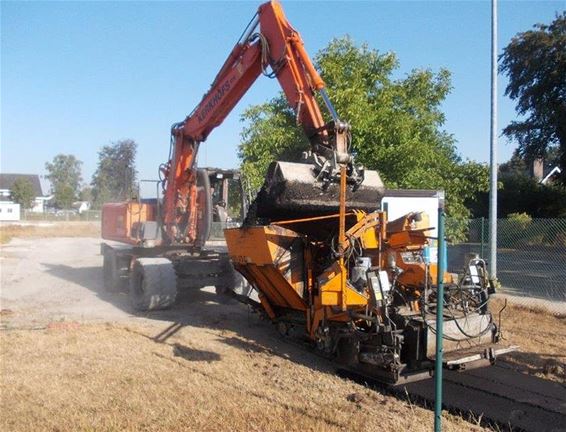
(227, 279)
(112, 280)
(153, 284)
(231, 281)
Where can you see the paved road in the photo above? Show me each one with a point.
(538, 272)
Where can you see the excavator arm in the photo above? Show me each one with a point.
(276, 45)
(269, 43)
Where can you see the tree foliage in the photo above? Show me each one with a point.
(86, 194)
(64, 173)
(516, 166)
(535, 62)
(115, 176)
(23, 193)
(396, 125)
(523, 194)
(271, 134)
(520, 193)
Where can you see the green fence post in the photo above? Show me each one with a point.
(439, 320)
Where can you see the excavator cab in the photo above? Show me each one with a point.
(228, 200)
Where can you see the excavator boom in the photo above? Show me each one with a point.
(277, 46)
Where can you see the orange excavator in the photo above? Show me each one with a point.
(168, 236)
(276, 51)
(319, 258)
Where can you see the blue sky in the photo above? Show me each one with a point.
(77, 75)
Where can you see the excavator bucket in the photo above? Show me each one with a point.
(291, 191)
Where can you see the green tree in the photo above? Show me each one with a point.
(22, 193)
(535, 63)
(115, 176)
(523, 194)
(520, 193)
(516, 166)
(271, 134)
(85, 194)
(396, 126)
(64, 173)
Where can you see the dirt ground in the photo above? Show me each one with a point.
(74, 357)
(540, 335)
(53, 279)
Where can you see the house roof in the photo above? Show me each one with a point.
(7, 182)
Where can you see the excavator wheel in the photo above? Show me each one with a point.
(115, 274)
(231, 281)
(153, 284)
(226, 279)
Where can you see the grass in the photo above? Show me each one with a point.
(72, 376)
(110, 377)
(541, 337)
(49, 229)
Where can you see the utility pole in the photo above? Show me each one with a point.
(493, 149)
(441, 260)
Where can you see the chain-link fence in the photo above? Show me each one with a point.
(61, 215)
(531, 255)
(216, 231)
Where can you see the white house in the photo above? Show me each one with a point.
(545, 174)
(7, 182)
(9, 211)
(81, 206)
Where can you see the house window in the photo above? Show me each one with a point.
(9, 210)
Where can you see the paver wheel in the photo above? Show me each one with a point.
(153, 284)
(114, 279)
